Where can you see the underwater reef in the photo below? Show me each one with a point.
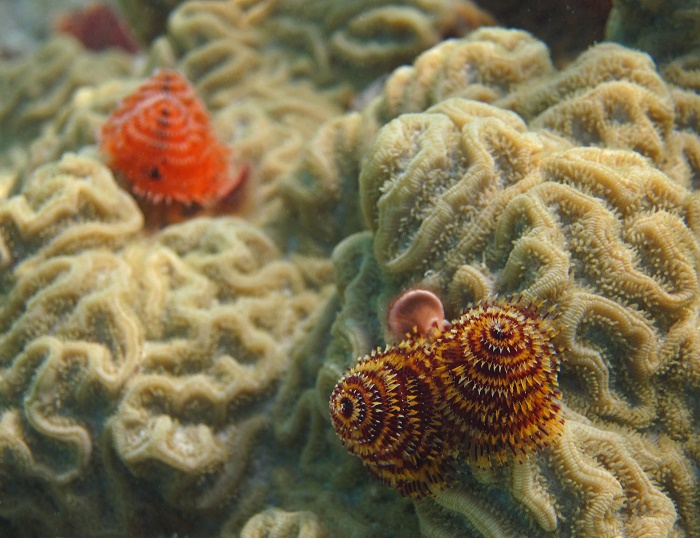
(167, 360)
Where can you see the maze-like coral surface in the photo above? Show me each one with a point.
(139, 368)
(509, 177)
(127, 359)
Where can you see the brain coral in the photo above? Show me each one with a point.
(275, 523)
(261, 64)
(358, 42)
(608, 238)
(139, 372)
(135, 368)
(469, 199)
(219, 42)
(662, 29)
(148, 21)
(327, 41)
(610, 97)
(35, 88)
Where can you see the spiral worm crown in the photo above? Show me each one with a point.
(485, 389)
(385, 411)
(161, 141)
(500, 369)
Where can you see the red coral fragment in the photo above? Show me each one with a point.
(97, 27)
(161, 141)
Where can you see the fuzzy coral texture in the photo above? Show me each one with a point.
(176, 381)
(34, 88)
(130, 360)
(139, 366)
(663, 29)
(575, 186)
(611, 97)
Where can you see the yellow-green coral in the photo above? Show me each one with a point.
(663, 29)
(275, 523)
(471, 199)
(611, 97)
(140, 370)
(35, 88)
(219, 43)
(130, 358)
(65, 208)
(148, 20)
(368, 38)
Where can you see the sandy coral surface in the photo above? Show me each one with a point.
(170, 376)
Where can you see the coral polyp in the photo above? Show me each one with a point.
(386, 411)
(500, 368)
(485, 389)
